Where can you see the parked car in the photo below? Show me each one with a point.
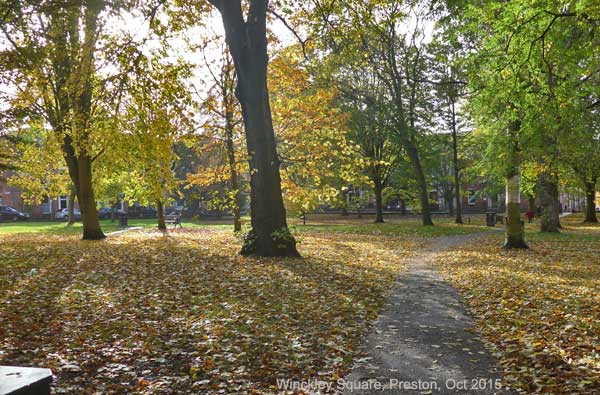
(105, 212)
(64, 214)
(8, 213)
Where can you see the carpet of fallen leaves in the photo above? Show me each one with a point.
(539, 309)
(147, 313)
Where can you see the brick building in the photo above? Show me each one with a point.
(11, 196)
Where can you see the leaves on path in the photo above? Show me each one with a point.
(539, 310)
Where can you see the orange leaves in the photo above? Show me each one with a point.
(148, 313)
(538, 309)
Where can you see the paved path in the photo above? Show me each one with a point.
(118, 232)
(421, 337)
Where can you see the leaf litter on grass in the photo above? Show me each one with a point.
(147, 313)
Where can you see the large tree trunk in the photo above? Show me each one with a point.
(378, 203)
(413, 155)
(71, 204)
(74, 67)
(160, 214)
(590, 197)
(87, 202)
(515, 236)
(515, 231)
(456, 169)
(549, 201)
(80, 171)
(247, 42)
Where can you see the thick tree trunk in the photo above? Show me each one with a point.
(71, 204)
(590, 197)
(413, 155)
(549, 201)
(378, 203)
(80, 172)
(247, 41)
(515, 235)
(160, 214)
(87, 202)
(74, 96)
(515, 229)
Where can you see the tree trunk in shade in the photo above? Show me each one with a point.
(378, 203)
(247, 41)
(549, 201)
(515, 231)
(590, 197)
(160, 213)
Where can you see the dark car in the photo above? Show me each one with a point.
(8, 213)
(105, 212)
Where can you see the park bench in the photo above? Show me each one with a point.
(174, 219)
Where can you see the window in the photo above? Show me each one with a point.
(472, 197)
(47, 206)
(63, 202)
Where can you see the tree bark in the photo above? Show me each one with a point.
(515, 231)
(456, 169)
(74, 98)
(549, 201)
(590, 197)
(87, 202)
(160, 213)
(71, 205)
(413, 155)
(247, 41)
(233, 177)
(378, 203)
(515, 236)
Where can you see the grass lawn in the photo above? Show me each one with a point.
(410, 226)
(152, 313)
(538, 309)
(62, 228)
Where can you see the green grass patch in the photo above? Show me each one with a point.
(62, 228)
(398, 227)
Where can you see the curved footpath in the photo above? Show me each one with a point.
(419, 343)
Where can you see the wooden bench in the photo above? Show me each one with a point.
(174, 219)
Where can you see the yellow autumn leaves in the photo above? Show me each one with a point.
(539, 310)
(147, 313)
